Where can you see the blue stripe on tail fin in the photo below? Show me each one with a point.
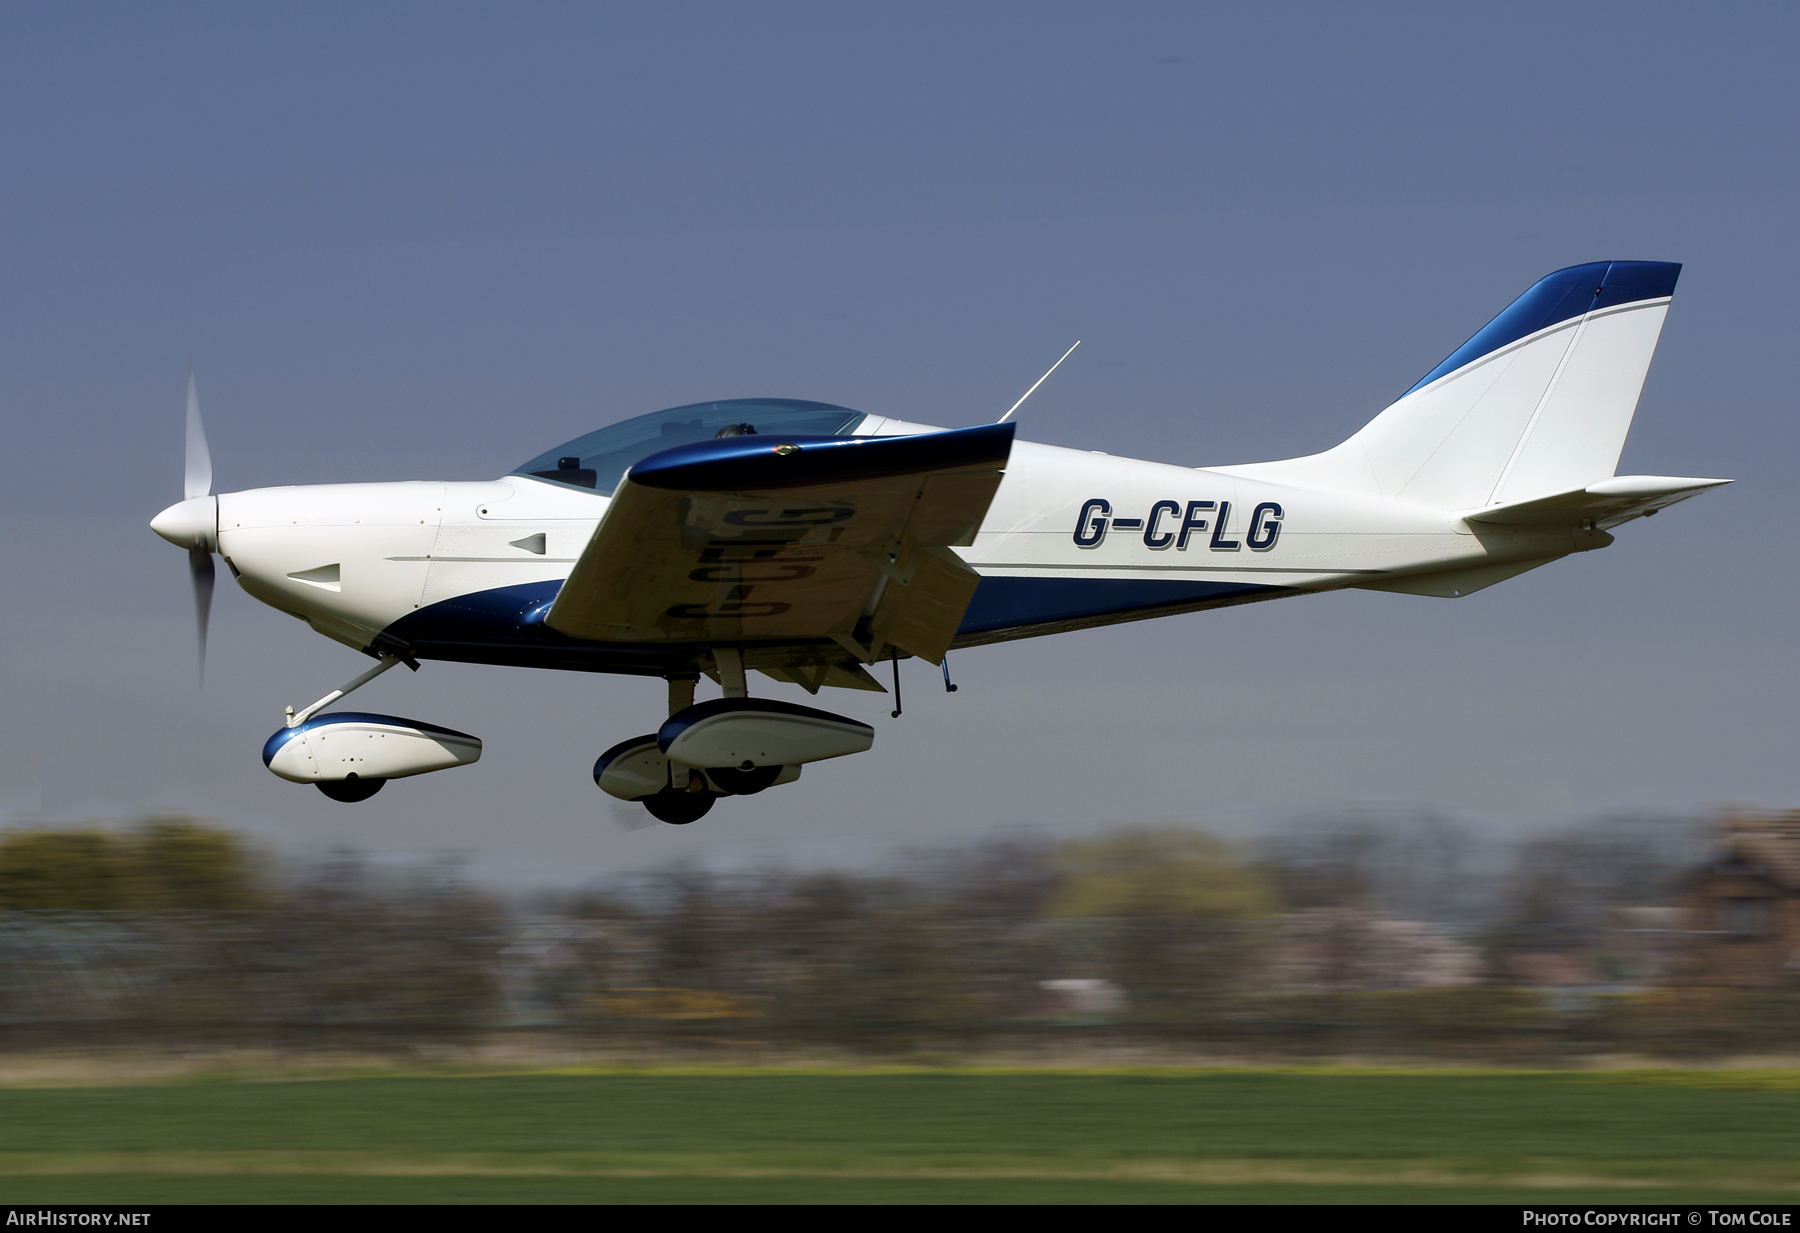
(1558, 297)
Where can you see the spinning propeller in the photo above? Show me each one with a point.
(194, 522)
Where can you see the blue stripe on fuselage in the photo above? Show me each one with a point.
(1017, 603)
(505, 625)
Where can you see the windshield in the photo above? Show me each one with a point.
(599, 460)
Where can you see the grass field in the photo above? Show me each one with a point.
(665, 1135)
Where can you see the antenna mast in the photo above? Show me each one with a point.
(1038, 382)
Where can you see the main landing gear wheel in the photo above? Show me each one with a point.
(678, 808)
(744, 781)
(350, 790)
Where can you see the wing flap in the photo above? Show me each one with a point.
(754, 539)
(816, 672)
(921, 614)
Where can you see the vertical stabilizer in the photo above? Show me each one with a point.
(1538, 402)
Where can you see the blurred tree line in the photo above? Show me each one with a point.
(174, 929)
(1354, 933)
(163, 865)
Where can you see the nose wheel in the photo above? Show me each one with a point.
(350, 790)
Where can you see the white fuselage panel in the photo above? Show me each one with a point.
(352, 559)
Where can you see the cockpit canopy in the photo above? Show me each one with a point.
(600, 459)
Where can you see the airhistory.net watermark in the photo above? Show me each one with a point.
(50, 1218)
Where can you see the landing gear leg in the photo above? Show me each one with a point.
(295, 719)
(730, 662)
(681, 696)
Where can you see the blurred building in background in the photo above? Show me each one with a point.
(1744, 903)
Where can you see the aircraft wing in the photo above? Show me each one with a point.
(1606, 503)
(764, 538)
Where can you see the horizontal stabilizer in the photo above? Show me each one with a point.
(1605, 504)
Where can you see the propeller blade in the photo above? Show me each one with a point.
(197, 482)
(200, 566)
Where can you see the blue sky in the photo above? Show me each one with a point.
(430, 241)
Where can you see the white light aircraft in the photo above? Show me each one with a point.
(807, 542)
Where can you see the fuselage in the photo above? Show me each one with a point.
(806, 542)
(468, 570)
